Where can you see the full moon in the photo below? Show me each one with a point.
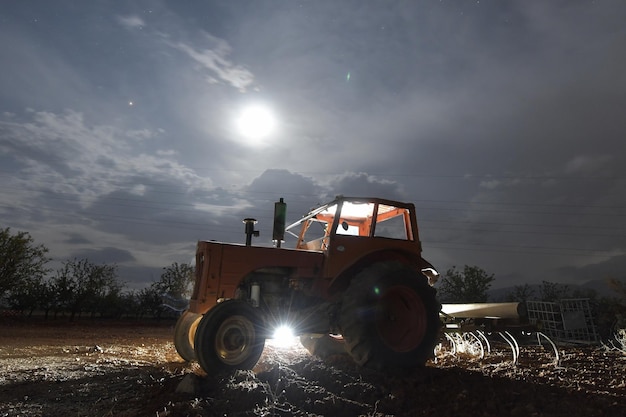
(256, 122)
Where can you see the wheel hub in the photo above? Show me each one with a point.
(233, 341)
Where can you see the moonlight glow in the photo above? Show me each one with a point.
(256, 122)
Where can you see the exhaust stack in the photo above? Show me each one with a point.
(249, 222)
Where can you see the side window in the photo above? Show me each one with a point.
(314, 239)
(392, 228)
(347, 229)
(356, 219)
(317, 230)
(390, 222)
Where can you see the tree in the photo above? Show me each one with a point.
(176, 281)
(150, 302)
(521, 293)
(611, 312)
(81, 286)
(20, 259)
(27, 295)
(46, 297)
(618, 286)
(553, 291)
(109, 300)
(469, 286)
(63, 288)
(130, 306)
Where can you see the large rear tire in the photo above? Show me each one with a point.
(229, 337)
(389, 317)
(184, 334)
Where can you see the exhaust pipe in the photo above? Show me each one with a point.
(249, 222)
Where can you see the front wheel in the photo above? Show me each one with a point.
(184, 334)
(229, 337)
(389, 317)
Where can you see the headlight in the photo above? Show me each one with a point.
(283, 336)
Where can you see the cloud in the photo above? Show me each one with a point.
(611, 268)
(35, 74)
(139, 277)
(131, 22)
(77, 239)
(501, 182)
(212, 56)
(588, 164)
(361, 184)
(283, 182)
(66, 154)
(105, 255)
(501, 122)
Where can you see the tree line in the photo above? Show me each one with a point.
(82, 288)
(79, 287)
(472, 284)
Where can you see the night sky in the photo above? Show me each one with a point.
(122, 136)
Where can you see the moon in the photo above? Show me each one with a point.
(256, 122)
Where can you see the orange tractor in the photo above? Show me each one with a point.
(356, 273)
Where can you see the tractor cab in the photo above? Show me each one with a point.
(352, 232)
(354, 217)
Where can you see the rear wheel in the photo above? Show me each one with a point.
(184, 334)
(229, 337)
(390, 317)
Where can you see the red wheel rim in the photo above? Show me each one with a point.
(401, 318)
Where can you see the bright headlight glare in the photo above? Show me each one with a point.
(283, 333)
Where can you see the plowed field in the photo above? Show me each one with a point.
(95, 368)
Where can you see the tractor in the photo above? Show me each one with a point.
(355, 277)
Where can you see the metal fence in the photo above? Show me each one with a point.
(566, 321)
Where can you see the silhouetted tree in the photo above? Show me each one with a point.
(130, 304)
(175, 281)
(611, 314)
(521, 293)
(109, 300)
(63, 289)
(81, 285)
(553, 292)
(469, 286)
(150, 302)
(618, 286)
(20, 259)
(46, 297)
(26, 296)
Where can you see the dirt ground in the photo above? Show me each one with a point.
(93, 368)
